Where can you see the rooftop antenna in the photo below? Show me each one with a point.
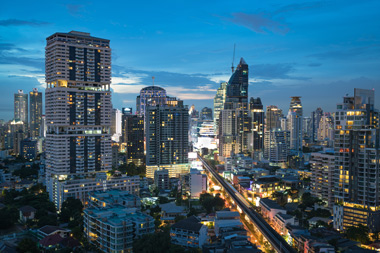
(153, 80)
(233, 59)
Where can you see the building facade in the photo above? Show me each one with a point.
(21, 107)
(35, 107)
(167, 142)
(256, 136)
(294, 123)
(357, 167)
(276, 146)
(78, 107)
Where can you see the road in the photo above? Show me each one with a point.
(275, 239)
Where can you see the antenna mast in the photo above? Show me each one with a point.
(233, 59)
(153, 80)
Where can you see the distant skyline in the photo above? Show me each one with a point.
(319, 50)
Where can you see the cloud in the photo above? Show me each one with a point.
(274, 71)
(11, 55)
(18, 22)
(259, 23)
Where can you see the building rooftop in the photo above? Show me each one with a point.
(171, 207)
(48, 229)
(192, 224)
(271, 204)
(226, 214)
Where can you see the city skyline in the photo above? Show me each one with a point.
(294, 49)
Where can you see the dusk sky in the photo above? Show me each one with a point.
(319, 50)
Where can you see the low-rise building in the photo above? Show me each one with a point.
(281, 220)
(113, 229)
(27, 213)
(270, 208)
(161, 179)
(79, 188)
(113, 197)
(189, 233)
(170, 211)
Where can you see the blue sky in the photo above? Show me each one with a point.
(320, 50)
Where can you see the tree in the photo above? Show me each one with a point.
(359, 234)
(27, 245)
(71, 208)
(8, 217)
(211, 203)
(280, 197)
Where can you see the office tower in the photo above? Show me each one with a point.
(167, 142)
(35, 107)
(234, 120)
(116, 125)
(322, 169)
(21, 107)
(133, 138)
(357, 167)
(78, 108)
(276, 146)
(206, 114)
(206, 135)
(307, 127)
(315, 118)
(283, 124)
(237, 88)
(326, 129)
(28, 149)
(256, 139)
(161, 179)
(294, 120)
(43, 126)
(273, 116)
(219, 100)
(151, 95)
(234, 128)
(193, 125)
(17, 134)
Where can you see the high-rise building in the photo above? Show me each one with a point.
(294, 120)
(326, 129)
(256, 140)
(21, 107)
(315, 118)
(234, 120)
(78, 107)
(133, 138)
(206, 114)
(357, 167)
(116, 125)
(219, 100)
(276, 146)
(273, 115)
(151, 95)
(35, 107)
(167, 142)
(237, 88)
(322, 169)
(161, 179)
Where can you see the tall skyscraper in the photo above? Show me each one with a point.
(151, 95)
(206, 114)
(273, 115)
(315, 118)
(78, 108)
(357, 167)
(133, 138)
(326, 129)
(276, 146)
(116, 125)
(237, 88)
(234, 120)
(35, 107)
(294, 121)
(167, 142)
(21, 107)
(219, 100)
(256, 139)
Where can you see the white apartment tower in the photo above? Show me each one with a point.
(78, 107)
